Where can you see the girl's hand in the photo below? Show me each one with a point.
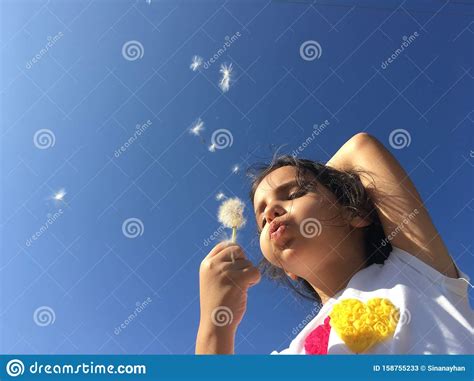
(225, 276)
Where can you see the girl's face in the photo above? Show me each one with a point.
(314, 225)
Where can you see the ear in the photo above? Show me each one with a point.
(359, 222)
(291, 275)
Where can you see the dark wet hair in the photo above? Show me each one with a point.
(350, 194)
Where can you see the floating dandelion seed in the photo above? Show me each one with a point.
(196, 63)
(212, 147)
(226, 71)
(231, 215)
(197, 127)
(220, 196)
(59, 196)
(235, 168)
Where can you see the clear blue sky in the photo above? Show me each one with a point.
(82, 273)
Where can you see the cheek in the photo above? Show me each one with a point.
(265, 247)
(268, 251)
(310, 208)
(304, 210)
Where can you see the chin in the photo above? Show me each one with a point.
(286, 253)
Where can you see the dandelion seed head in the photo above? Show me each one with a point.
(231, 213)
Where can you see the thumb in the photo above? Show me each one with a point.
(254, 277)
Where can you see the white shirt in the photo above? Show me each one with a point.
(435, 316)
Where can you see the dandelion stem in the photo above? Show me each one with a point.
(234, 234)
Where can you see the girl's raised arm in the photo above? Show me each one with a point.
(405, 220)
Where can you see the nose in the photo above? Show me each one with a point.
(273, 211)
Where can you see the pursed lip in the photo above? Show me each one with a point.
(275, 224)
(284, 238)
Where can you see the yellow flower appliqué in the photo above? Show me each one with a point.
(362, 325)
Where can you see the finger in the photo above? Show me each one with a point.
(250, 275)
(219, 247)
(231, 253)
(238, 265)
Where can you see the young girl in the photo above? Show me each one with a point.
(354, 236)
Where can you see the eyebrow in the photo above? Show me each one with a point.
(278, 189)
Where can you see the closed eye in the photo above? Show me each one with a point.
(297, 194)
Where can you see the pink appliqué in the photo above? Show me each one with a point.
(316, 343)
